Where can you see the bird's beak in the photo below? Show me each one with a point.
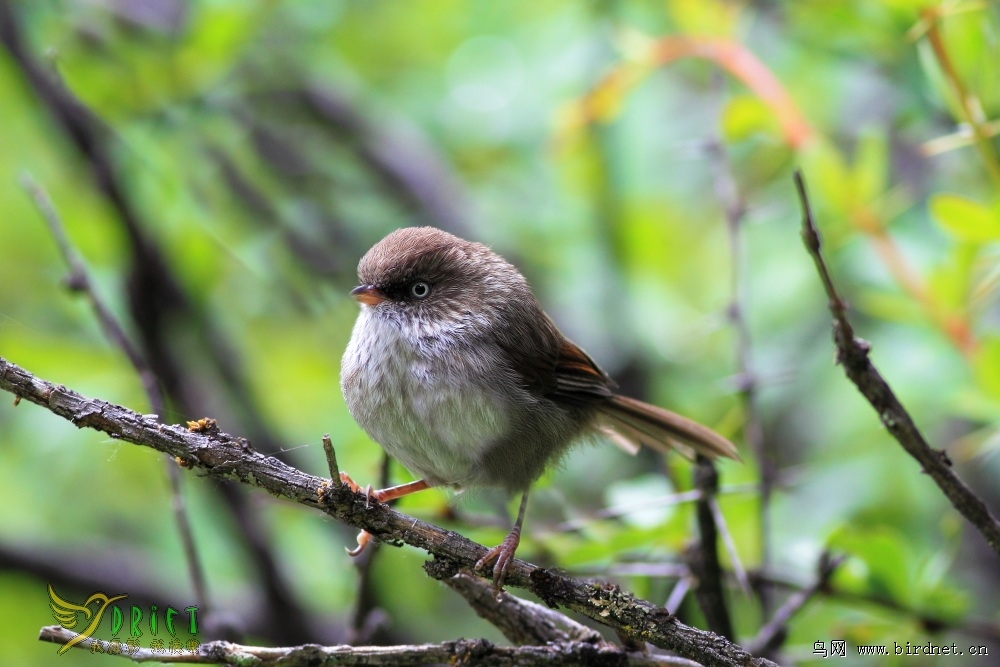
(368, 294)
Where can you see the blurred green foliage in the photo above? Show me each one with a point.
(266, 145)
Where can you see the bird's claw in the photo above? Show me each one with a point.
(356, 488)
(364, 537)
(502, 555)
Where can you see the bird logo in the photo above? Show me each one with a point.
(68, 614)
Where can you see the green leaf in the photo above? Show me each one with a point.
(965, 219)
(987, 366)
(870, 166)
(891, 306)
(880, 565)
(951, 282)
(697, 17)
(829, 182)
(745, 116)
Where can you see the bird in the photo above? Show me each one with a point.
(454, 368)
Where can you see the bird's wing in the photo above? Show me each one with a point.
(552, 366)
(579, 380)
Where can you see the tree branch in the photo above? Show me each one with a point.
(852, 354)
(157, 302)
(79, 281)
(734, 205)
(774, 632)
(460, 651)
(705, 564)
(521, 621)
(222, 456)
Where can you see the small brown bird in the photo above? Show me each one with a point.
(458, 373)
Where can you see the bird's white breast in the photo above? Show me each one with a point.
(411, 396)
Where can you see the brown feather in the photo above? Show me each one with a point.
(627, 422)
(661, 429)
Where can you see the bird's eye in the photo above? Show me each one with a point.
(420, 290)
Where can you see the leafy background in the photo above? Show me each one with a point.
(264, 146)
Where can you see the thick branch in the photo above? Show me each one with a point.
(852, 354)
(223, 456)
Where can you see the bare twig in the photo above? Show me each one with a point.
(460, 651)
(521, 621)
(331, 459)
(705, 564)
(222, 456)
(666, 500)
(970, 106)
(678, 593)
(367, 619)
(774, 631)
(980, 628)
(79, 281)
(727, 540)
(852, 354)
(728, 194)
(158, 302)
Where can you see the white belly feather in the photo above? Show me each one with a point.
(431, 421)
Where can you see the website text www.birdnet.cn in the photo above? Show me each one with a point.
(837, 648)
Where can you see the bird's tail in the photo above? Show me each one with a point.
(631, 423)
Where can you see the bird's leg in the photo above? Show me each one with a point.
(398, 491)
(503, 553)
(382, 496)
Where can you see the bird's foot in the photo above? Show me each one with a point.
(380, 496)
(364, 537)
(501, 556)
(356, 488)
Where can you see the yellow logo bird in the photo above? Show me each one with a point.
(67, 613)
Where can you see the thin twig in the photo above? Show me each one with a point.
(974, 627)
(677, 594)
(624, 509)
(852, 354)
(970, 106)
(331, 459)
(79, 281)
(739, 571)
(367, 618)
(728, 194)
(158, 302)
(774, 631)
(223, 456)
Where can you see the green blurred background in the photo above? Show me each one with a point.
(257, 149)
